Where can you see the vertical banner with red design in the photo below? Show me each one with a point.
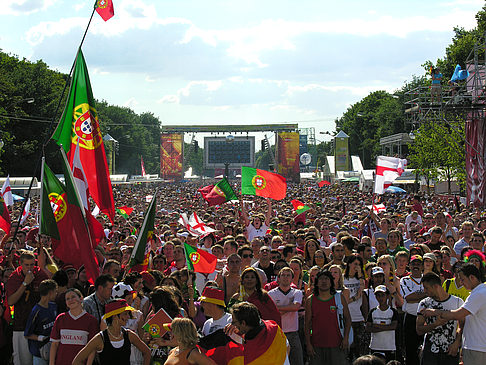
(475, 160)
(288, 155)
(171, 155)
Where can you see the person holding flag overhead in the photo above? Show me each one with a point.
(258, 226)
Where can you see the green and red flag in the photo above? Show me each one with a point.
(79, 124)
(219, 193)
(299, 207)
(155, 325)
(63, 219)
(105, 9)
(124, 211)
(262, 183)
(200, 260)
(139, 259)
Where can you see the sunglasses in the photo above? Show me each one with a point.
(245, 256)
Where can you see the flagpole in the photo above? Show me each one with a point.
(142, 229)
(49, 128)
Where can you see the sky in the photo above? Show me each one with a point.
(239, 62)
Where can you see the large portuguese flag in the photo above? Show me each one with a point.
(200, 260)
(262, 183)
(219, 193)
(62, 219)
(79, 123)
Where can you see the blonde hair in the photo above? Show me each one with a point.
(341, 279)
(389, 258)
(184, 331)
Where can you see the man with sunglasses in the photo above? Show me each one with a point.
(264, 262)
(246, 254)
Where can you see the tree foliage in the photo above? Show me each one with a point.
(377, 115)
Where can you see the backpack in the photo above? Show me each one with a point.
(340, 314)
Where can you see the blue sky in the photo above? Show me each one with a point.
(238, 62)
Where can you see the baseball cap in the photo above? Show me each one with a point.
(377, 270)
(381, 288)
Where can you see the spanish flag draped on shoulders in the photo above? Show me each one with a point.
(265, 344)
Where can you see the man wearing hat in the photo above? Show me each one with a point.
(212, 301)
(413, 292)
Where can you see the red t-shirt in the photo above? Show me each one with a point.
(325, 328)
(72, 333)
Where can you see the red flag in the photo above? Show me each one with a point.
(4, 217)
(262, 183)
(63, 220)
(200, 260)
(105, 9)
(323, 182)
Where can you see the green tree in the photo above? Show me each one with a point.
(193, 158)
(377, 115)
(437, 152)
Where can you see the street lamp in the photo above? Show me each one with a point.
(113, 141)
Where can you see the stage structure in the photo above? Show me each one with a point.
(225, 152)
(459, 106)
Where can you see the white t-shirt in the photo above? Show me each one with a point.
(212, 325)
(459, 245)
(256, 232)
(290, 320)
(409, 285)
(354, 307)
(384, 340)
(440, 338)
(474, 335)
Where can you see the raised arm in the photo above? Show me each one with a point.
(95, 344)
(244, 213)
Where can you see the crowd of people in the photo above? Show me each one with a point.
(341, 283)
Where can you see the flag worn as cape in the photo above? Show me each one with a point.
(262, 183)
(105, 9)
(63, 220)
(299, 207)
(268, 347)
(221, 349)
(124, 211)
(7, 192)
(79, 123)
(219, 193)
(141, 251)
(200, 260)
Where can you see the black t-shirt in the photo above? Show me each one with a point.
(268, 270)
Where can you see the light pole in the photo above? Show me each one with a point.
(113, 142)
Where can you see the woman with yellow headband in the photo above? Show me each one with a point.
(114, 344)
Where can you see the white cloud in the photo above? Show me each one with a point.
(37, 33)
(131, 103)
(24, 7)
(169, 99)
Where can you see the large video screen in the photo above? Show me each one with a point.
(238, 151)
